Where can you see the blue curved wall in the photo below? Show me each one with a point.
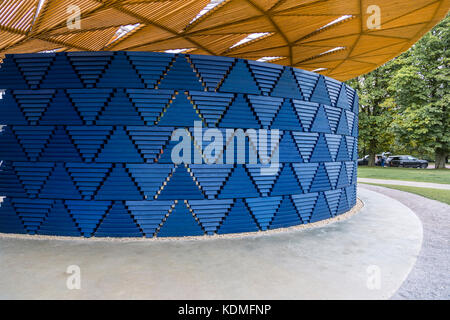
(86, 145)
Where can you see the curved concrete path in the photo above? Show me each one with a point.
(367, 256)
(429, 278)
(406, 183)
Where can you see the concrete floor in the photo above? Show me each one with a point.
(429, 278)
(335, 261)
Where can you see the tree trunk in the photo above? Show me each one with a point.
(440, 157)
(371, 159)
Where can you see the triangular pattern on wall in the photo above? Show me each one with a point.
(210, 213)
(118, 223)
(263, 209)
(239, 219)
(118, 185)
(181, 185)
(181, 76)
(180, 222)
(238, 78)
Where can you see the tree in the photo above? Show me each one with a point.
(375, 110)
(420, 92)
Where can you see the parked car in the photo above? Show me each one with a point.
(406, 162)
(363, 161)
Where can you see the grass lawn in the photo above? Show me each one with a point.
(406, 174)
(434, 194)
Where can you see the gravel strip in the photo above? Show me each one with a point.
(429, 279)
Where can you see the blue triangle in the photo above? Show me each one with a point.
(10, 111)
(355, 107)
(342, 101)
(34, 103)
(10, 75)
(305, 205)
(119, 148)
(59, 185)
(33, 177)
(10, 148)
(211, 177)
(60, 111)
(288, 149)
(306, 112)
(211, 105)
(120, 110)
(120, 74)
(343, 177)
(210, 213)
(61, 75)
(89, 102)
(332, 197)
(240, 77)
(118, 186)
(118, 223)
(87, 214)
(343, 126)
(320, 94)
(342, 154)
(150, 103)
(305, 173)
(320, 152)
(333, 169)
(266, 75)
(321, 123)
(32, 212)
(10, 186)
(239, 115)
(150, 178)
(180, 223)
(265, 108)
(287, 86)
(307, 81)
(264, 182)
(180, 113)
(87, 177)
(212, 69)
(239, 219)
(286, 118)
(321, 182)
(321, 210)
(355, 128)
(149, 214)
(33, 69)
(180, 186)
(150, 65)
(89, 139)
(60, 147)
(9, 220)
(286, 215)
(343, 203)
(59, 222)
(286, 183)
(264, 209)
(238, 183)
(181, 76)
(90, 66)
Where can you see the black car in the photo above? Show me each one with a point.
(406, 162)
(363, 161)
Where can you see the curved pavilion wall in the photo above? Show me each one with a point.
(87, 143)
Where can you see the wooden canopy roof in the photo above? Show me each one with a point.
(327, 36)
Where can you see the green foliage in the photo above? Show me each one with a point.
(404, 103)
(405, 174)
